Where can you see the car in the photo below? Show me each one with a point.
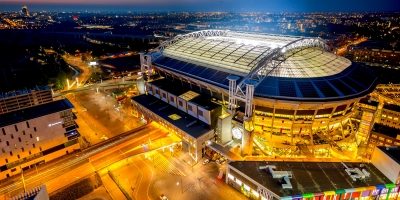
(206, 161)
(163, 197)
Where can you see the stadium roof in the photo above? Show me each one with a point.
(304, 70)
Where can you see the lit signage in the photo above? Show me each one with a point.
(237, 133)
(55, 123)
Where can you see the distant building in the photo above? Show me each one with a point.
(25, 11)
(16, 100)
(34, 135)
(387, 160)
(309, 180)
(375, 52)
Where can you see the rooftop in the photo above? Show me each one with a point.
(22, 92)
(239, 53)
(178, 118)
(204, 102)
(392, 107)
(386, 130)
(307, 73)
(368, 101)
(34, 112)
(309, 177)
(393, 152)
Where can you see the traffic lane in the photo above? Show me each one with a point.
(106, 160)
(140, 134)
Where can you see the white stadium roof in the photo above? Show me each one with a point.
(239, 53)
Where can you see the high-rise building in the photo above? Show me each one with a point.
(25, 11)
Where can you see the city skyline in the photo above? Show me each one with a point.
(208, 5)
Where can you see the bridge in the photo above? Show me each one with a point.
(98, 86)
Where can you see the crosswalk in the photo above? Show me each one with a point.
(164, 165)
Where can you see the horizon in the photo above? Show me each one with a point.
(274, 6)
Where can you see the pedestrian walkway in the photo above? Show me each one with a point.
(112, 188)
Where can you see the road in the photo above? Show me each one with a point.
(76, 61)
(100, 116)
(149, 175)
(343, 49)
(62, 172)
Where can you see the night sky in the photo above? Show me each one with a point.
(207, 5)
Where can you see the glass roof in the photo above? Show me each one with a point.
(234, 55)
(310, 63)
(238, 53)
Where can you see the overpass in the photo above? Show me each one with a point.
(102, 86)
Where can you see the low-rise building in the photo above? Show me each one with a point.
(382, 135)
(19, 99)
(390, 115)
(189, 114)
(309, 180)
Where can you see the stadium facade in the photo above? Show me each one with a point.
(277, 92)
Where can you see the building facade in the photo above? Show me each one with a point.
(288, 93)
(184, 112)
(35, 135)
(16, 100)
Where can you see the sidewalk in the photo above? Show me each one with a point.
(112, 188)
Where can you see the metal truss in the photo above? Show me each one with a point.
(196, 34)
(267, 65)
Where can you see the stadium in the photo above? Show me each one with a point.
(270, 95)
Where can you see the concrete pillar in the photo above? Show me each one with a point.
(224, 128)
(141, 85)
(247, 137)
(232, 90)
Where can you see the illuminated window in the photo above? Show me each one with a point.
(230, 176)
(200, 112)
(255, 193)
(238, 182)
(246, 187)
